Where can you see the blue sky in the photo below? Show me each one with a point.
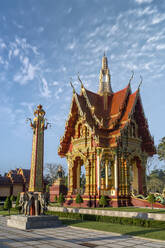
(45, 43)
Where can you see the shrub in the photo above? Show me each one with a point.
(12, 198)
(61, 199)
(55, 198)
(111, 219)
(8, 204)
(103, 201)
(79, 199)
(17, 206)
(151, 199)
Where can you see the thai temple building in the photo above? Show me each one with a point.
(107, 133)
(14, 182)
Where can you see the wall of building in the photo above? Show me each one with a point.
(4, 190)
(17, 188)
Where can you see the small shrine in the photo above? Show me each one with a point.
(58, 187)
(107, 134)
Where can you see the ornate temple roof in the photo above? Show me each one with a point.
(108, 114)
(4, 180)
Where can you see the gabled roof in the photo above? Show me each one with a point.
(107, 122)
(5, 180)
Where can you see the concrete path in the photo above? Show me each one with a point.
(63, 237)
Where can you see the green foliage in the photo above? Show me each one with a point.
(161, 149)
(151, 199)
(47, 188)
(61, 199)
(55, 198)
(156, 181)
(17, 202)
(8, 204)
(110, 219)
(79, 199)
(12, 198)
(103, 201)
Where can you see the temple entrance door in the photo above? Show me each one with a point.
(135, 176)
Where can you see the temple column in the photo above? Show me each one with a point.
(116, 174)
(106, 173)
(98, 171)
(71, 181)
(68, 176)
(126, 176)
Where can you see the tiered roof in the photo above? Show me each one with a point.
(109, 122)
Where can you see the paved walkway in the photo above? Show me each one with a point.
(63, 237)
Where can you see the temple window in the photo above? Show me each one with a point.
(109, 169)
(102, 165)
(79, 130)
(133, 129)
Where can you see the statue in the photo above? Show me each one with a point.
(60, 172)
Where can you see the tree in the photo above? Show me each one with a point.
(55, 198)
(12, 198)
(51, 172)
(151, 199)
(79, 199)
(61, 199)
(8, 204)
(156, 181)
(103, 201)
(161, 150)
(17, 206)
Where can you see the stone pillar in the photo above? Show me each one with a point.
(106, 173)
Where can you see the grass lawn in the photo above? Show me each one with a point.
(5, 212)
(153, 233)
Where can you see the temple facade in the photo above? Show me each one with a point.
(107, 134)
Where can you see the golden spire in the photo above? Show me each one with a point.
(105, 78)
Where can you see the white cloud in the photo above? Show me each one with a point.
(55, 83)
(44, 89)
(16, 52)
(58, 92)
(27, 72)
(40, 29)
(160, 47)
(158, 18)
(143, 1)
(71, 45)
(29, 105)
(69, 10)
(10, 54)
(2, 45)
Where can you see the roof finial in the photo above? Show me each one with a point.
(82, 86)
(104, 53)
(140, 82)
(72, 87)
(131, 77)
